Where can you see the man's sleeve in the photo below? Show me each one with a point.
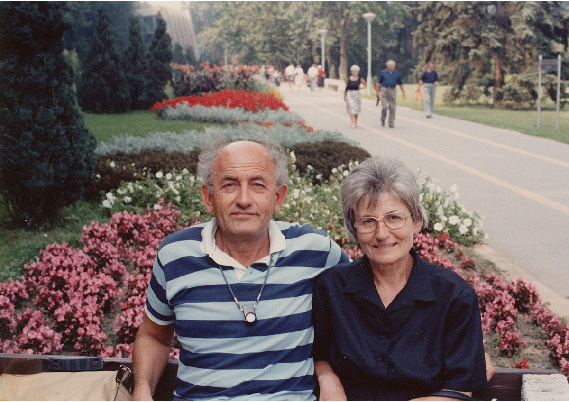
(464, 365)
(157, 307)
(336, 255)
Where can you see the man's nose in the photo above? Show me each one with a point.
(244, 196)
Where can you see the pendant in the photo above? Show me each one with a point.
(249, 313)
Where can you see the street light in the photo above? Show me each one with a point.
(369, 18)
(323, 32)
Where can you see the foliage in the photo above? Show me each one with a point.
(135, 66)
(250, 101)
(477, 44)
(447, 216)
(160, 55)
(286, 135)
(330, 155)
(46, 154)
(112, 169)
(102, 87)
(220, 114)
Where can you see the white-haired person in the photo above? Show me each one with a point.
(352, 95)
(389, 325)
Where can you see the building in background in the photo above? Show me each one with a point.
(179, 26)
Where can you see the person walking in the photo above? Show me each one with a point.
(298, 76)
(289, 75)
(429, 80)
(321, 77)
(387, 82)
(352, 95)
(312, 75)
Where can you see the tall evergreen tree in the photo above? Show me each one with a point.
(159, 59)
(102, 87)
(135, 66)
(46, 154)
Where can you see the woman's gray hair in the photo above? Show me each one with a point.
(376, 176)
(210, 151)
(355, 67)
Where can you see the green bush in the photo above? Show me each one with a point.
(46, 154)
(112, 169)
(325, 156)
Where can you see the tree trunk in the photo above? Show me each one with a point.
(343, 28)
(498, 79)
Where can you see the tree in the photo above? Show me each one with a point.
(159, 59)
(46, 154)
(135, 66)
(477, 44)
(102, 86)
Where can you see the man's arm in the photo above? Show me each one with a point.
(150, 356)
(331, 388)
(402, 90)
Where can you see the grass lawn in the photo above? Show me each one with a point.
(138, 123)
(523, 121)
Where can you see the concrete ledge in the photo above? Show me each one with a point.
(553, 387)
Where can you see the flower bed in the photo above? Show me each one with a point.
(250, 101)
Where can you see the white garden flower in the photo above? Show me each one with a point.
(309, 167)
(185, 171)
(178, 198)
(157, 207)
(178, 178)
(462, 230)
(112, 164)
(346, 173)
(127, 199)
(111, 197)
(438, 226)
(453, 220)
(296, 193)
(121, 191)
(334, 171)
(292, 156)
(169, 176)
(159, 175)
(467, 222)
(107, 204)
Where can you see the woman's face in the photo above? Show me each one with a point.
(387, 248)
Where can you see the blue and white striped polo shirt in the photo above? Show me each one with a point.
(221, 356)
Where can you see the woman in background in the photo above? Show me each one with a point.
(353, 96)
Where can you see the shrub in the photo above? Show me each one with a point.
(217, 114)
(286, 135)
(330, 153)
(112, 169)
(46, 154)
(160, 56)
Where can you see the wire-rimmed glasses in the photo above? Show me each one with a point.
(394, 220)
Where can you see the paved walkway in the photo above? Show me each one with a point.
(518, 183)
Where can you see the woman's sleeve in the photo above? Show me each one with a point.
(464, 365)
(321, 322)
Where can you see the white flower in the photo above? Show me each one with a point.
(112, 164)
(453, 220)
(345, 173)
(438, 226)
(467, 222)
(292, 156)
(318, 176)
(169, 176)
(287, 205)
(130, 188)
(444, 218)
(111, 197)
(107, 204)
(309, 167)
(127, 199)
(159, 175)
(185, 171)
(157, 207)
(178, 178)
(334, 171)
(178, 199)
(296, 193)
(462, 229)
(121, 191)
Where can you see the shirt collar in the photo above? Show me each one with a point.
(419, 286)
(208, 246)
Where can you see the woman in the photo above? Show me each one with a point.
(353, 96)
(298, 76)
(390, 326)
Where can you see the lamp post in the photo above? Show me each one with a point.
(369, 18)
(323, 32)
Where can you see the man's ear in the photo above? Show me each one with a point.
(207, 198)
(281, 196)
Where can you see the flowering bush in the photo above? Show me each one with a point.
(250, 101)
(448, 216)
(189, 80)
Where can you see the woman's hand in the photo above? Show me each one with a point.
(331, 388)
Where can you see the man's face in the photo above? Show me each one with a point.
(243, 195)
(391, 67)
(431, 67)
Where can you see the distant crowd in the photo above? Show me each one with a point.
(295, 76)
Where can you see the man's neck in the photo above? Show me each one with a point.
(244, 250)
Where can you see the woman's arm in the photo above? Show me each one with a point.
(363, 84)
(331, 388)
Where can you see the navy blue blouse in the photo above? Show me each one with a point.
(429, 338)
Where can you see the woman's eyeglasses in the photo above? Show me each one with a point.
(394, 220)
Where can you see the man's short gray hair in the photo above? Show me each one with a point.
(376, 176)
(210, 151)
(390, 62)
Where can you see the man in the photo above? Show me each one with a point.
(429, 80)
(289, 74)
(237, 290)
(312, 75)
(387, 82)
